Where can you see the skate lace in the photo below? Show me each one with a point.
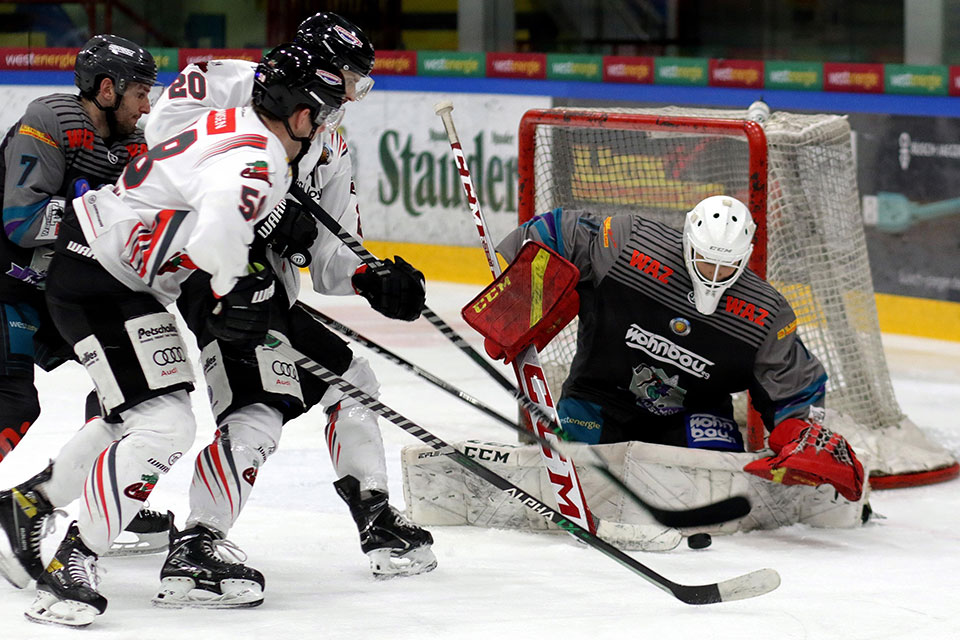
(224, 551)
(83, 569)
(44, 527)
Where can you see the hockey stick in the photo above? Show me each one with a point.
(713, 513)
(529, 373)
(748, 585)
(371, 261)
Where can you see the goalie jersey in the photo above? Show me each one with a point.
(647, 361)
(324, 173)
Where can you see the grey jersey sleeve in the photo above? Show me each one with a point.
(590, 242)
(35, 165)
(788, 378)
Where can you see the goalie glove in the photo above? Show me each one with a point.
(395, 289)
(809, 453)
(289, 231)
(532, 300)
(242, 316)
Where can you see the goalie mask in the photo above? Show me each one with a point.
(717, 243)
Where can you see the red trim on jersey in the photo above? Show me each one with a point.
(147, 240)
(254, 140)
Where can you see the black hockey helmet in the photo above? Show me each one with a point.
(343, 43)
(290, 77)
(119, 59)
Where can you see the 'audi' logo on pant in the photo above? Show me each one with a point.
(285, 369)
(169, 356)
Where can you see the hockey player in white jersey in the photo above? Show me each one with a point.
(252, 407)
(189, 204)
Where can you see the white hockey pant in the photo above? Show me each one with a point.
(226, 469)
(352, 433)
(156, 433)
(72, 464)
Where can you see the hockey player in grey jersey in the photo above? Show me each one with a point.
(61, 138)
(251, 406)
(671, 324)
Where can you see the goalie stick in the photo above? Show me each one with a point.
(749, 585)
(529, 373)
(713, 513)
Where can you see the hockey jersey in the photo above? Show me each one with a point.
(51, 145)
(190, 202)
(645, 352)
(325, 172)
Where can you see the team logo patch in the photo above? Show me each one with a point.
(347, 37)
(329, 78)
(258, 170)
(656, 392)
(250, 475)
(680, 326)
(707, 431)
(141, 490)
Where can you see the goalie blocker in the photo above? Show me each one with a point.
(531, 301)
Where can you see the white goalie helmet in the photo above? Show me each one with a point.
(717, 243)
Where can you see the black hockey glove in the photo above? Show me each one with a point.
(290, 231)
(395, 289)
(242, 316)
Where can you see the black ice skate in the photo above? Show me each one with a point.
(196, 575)
(395, 546)
(67, 591)
(148, 532)
(23, 511)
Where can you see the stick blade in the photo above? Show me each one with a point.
(726, 510)
(750, 585)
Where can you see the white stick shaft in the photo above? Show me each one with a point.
(443, 110)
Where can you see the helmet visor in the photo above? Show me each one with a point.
(328, 118)
(358, 86)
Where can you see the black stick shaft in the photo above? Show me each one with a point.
(745, 586)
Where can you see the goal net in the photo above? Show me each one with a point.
(797, 174)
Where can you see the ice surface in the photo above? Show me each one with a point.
(898, 577)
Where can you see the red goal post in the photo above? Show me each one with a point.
(796, 172)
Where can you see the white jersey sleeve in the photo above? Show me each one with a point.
(334, 263)
(190, 203)
(200, 87)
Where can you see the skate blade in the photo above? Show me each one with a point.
(182, 592)
(10, 567)
(139, 544)
(385, 565)
(49, 609)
